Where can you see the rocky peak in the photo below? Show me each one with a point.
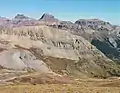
(48, 17)
(21, 16)
(91, 21)
(94, 24)
(22, 20)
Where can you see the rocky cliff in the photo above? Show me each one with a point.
(107, 39)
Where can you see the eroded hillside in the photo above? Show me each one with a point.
(54, 51)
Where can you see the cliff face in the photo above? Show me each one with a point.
(62, 51)
(101, 34)
(105, 34)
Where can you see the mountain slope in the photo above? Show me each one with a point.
(65, 44)
(62, 51)
(101, 34)
(107, 39)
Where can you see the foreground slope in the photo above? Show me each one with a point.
(63, 52)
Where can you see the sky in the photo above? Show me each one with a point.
(72, 10)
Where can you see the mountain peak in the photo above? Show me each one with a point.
(94, 20)
(48, 17)
(21, 16)
(91, 22)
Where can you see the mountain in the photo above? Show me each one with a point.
(18, 21)
(94, 24)
(48, 18)
(87, 48)
(22, 20)
(95, 31)
(101, 34)
(37, 48)
(107, 39)
(21, 16)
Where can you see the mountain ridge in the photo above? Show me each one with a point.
(90, 29)
(82, 49)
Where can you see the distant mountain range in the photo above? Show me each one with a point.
(22, 20)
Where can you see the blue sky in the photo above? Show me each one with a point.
(108, 10)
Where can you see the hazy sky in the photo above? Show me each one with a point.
(108, 10)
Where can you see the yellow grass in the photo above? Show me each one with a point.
(84, 86)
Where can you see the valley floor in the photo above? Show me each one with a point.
(84, 86)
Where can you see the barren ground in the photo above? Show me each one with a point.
(83, 86)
